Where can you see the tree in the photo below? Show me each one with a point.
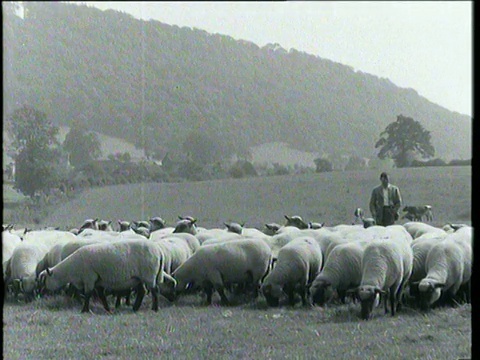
(81, 145)
(322, 165)
(403, 138)
(203, 148)
(36, 159)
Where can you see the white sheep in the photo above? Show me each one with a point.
(21, 268)
(417, 229)
(386, 268)
(296, 221)
(341, 273)
(445, 273)
(215, 266)
(117, 266)
(271, 228)
(104, 225)
(9, 242)
(298, 263)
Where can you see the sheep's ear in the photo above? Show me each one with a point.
(49, 272)
(227, 225)
(180, 218)
(269, 227)
(242, 224)
(287, 217)
(193, 221)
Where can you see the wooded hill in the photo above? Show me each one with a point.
(138, 79)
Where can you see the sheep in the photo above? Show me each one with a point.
(271, 228)
(104, 225)
(416, 229)
(360, 215)
(156, 223)
(297, 265)
(386, 268)
(234, 227)
(22, 265)
(9, 242)
(117, 266)
(420, 249)
(215, 266)
(445, 266)
(51, 258)
(296, 221)
(124, 225)
(341, 272)
(417, 213)
(89, 224)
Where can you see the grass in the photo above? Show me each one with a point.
(325, 197)
(54, 328)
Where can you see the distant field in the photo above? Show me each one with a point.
(53, 328)
(326, 197)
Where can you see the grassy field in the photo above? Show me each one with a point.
(53, 328)
(325, 197)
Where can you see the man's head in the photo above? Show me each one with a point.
(384, 179)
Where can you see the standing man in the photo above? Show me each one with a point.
(385, 202)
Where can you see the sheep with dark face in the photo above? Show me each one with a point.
(296, 221)
(117, 266)
(216, 266)
(386, 269)
(448, 268)
(298, 263)
(89, 224)
(341, 273)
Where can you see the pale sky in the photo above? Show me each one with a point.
(424, 45)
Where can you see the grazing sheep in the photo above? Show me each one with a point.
(216, 266)
(417, 213)
(296, 221)
(417, 229)
(116, 266)
(21, 268)
(445, 273)
(341, 272)
(9, 242)
(298, 263)
(51, 258)
(386, 268)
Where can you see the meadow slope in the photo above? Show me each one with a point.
(324, 197)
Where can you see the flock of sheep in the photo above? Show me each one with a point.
(414, 262)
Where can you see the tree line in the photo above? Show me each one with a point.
(43, 165)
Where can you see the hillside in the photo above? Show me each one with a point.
(326, 197)
(148, 81)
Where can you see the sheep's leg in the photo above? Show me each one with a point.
(289, 290)
(86, 302)
(103, 298)
(208, 288)
(139, 298)
(154, 292)
(118, 301)
(221, 292)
